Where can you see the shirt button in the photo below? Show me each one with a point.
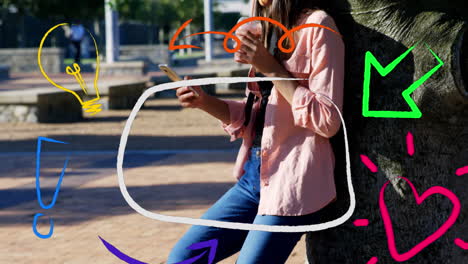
(257, 152)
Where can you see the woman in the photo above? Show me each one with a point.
(285, 164)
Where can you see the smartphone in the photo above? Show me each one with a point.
(173, 75)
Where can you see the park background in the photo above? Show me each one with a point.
(179, 161)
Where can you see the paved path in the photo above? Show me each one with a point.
(160, 172)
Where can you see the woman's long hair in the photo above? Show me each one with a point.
(284, 11)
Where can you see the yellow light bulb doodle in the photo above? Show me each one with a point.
(77, 75)
(90, 106)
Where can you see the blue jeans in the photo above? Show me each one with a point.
(240, 204)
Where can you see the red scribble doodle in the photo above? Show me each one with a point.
(369, 164)
(410, 143)
(373, 260)
(361, 222)
(461, 171)
(230, 34)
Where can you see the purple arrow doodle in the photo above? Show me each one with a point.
(211, 244)
(120, 254)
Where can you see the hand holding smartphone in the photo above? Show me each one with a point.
(174, 76)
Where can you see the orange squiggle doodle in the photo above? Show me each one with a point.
(230, 35)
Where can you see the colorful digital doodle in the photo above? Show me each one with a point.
(456, 207)
(361, 222)
(211, 245)
(370, 60)
(458, 241)
(288, 33)
(221, 224)
(462, 244)
(38, 187)
(119, 253)
(419, 199)
(90, 106)
(214, 223)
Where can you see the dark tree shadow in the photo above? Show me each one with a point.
(78, 205)
(111, 143)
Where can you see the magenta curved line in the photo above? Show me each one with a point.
(369, 164)
(461, 171)
(119, 253)
(462, 244)
(361, 222)
(410, 143)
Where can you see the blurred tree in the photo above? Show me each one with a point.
(51, 11)
(166, 14)
(58, 9)
(225, 21)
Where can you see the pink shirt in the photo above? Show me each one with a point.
(297, 158)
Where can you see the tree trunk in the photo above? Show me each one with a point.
(387, 28)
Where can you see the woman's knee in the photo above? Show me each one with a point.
(180, 251)
(263, 247)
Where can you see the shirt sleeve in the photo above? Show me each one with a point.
(310, 109)
(236, 127)
(236, 112)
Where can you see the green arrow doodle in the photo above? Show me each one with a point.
(383, 71)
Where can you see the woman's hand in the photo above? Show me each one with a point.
(210, 104)
(188, 98)
(253, 52)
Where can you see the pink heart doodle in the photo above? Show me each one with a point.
(419, 199)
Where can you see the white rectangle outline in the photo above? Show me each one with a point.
(215, 223)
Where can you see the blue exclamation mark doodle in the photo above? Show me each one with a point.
(38, 188)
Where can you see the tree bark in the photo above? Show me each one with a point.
(387, 28)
